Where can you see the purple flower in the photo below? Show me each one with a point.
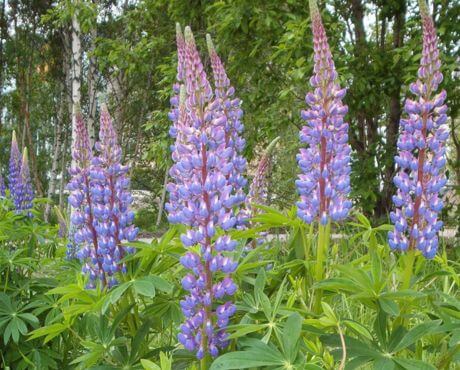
(324, 183)
(25, 193)
(422, 154)
(14, 176)
(203, 196)
(111, 200)
(2, 186)
(84, 237)
(230, 112)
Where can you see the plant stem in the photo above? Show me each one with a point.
(321, 254)
(205, 362)
(408, 268)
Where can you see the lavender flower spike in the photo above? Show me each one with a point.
(26, 193)
(258, 190)
(231, 113)
(2, 186)
(14, 177)
(111, 200)
(202, 197)
(84, 235)
(422, 154)
(324, 183)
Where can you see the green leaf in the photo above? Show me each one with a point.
(149, 365)
(144, 286)
(389, 306)
(415, 334)
(291, 334)
(410, 364)
(358, 328)
(247, 359)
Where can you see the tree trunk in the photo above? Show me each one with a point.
(392, 128)
(76, 72)
(163, 198)
(63, 173)
(92, 88)
(56, 151)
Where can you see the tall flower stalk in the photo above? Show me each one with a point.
(26, 193)
(229, 108)
(324, 183)
(84, 235)
(202, 197)
(421, 157)
(111, 200)
(14, 176)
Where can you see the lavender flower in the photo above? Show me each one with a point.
(229, 109)
(84, 236)
(258, 190)
(111, 200)
(25, 194)
(325, 163)
(14, 177)
(422, 154)
(202, 197)
(2, 186)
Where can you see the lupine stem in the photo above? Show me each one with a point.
(408, 268)
(205, 362)
(321, 254)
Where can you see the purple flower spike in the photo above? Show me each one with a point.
(84, 236)
(422, 154)
(204, 196)
(324, 183)
(25, 195)
(231, 113)
(111, 199)
(14, 177)
(2, 186)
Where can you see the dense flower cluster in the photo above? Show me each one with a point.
(229, 109)
(421, 157)
(203, 196)
(258, 190)
(100, 218)
(2, 186)
(19, 181)
(324, 183)
(25, 193)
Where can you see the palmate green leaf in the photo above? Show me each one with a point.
(358, 329)
(410, 364)
(258, 354)
(355, 347)
(49, 332)
(149, 365)
(244, 329)
(291, 335)
(415, 334)
(389, 306)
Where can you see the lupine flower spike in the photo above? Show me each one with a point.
(84, 235)
(201, 197)
(422, 154)
(231, 113)
(111, 200)
(2, 186)
(324, 183)
(258, 190)
(14, 176)
(26, 193)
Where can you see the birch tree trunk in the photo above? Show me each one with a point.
(92, 88)
(163, 197)
(76, 72)
(56, 150)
